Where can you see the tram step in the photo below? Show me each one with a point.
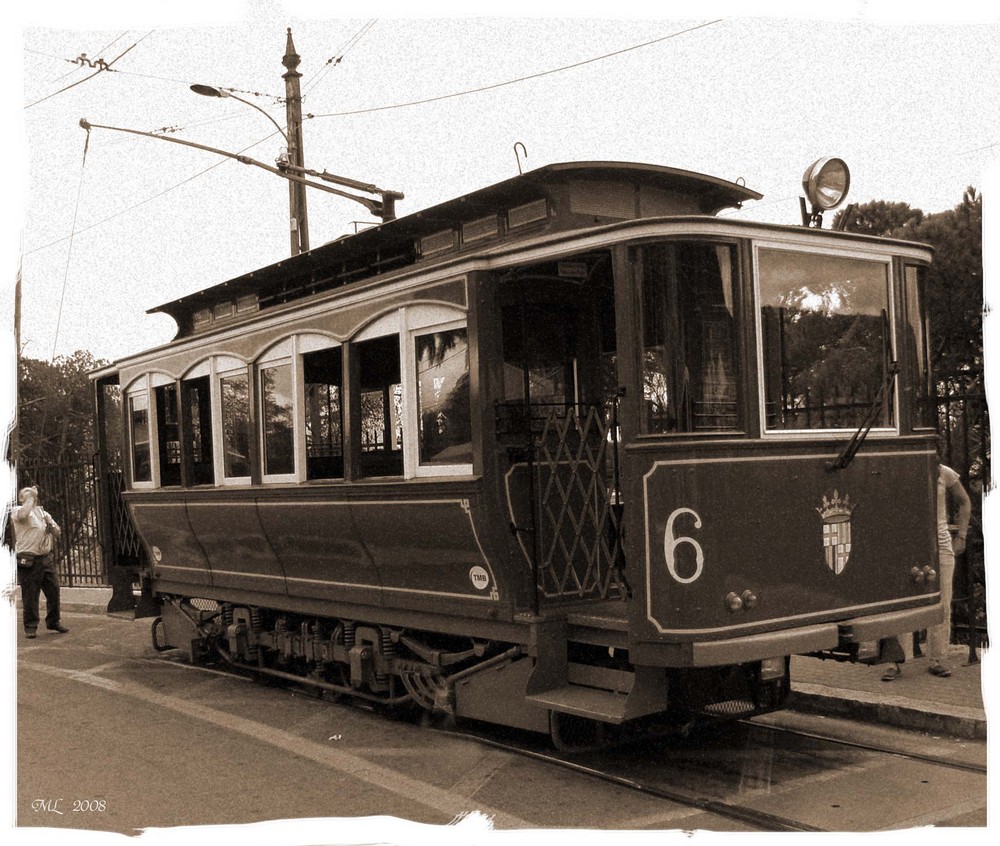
(603, 705)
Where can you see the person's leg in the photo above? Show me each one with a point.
(939, 637)
(30, 578)
(890, 651)
(50, 587)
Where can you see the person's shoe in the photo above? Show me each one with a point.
(58, 627)
(30, 633)
(939, 671)
(892, 673)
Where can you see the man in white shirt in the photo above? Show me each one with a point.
(35, 533)
(949, 488)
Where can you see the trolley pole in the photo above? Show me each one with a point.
(298, 222)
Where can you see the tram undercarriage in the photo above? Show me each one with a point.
(577, 693)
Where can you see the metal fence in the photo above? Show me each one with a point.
(964, 427)
(69, 493)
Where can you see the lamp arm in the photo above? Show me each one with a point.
(373, 206)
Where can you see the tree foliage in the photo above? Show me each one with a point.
(954, 282)
(55, 409)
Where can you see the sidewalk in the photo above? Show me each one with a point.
(916, 700)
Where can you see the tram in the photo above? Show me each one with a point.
(571, 451)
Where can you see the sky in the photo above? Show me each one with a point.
(106, 227)
(114, 224)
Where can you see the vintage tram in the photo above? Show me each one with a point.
(569, 451)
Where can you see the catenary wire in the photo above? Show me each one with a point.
(91, 76)
(521, 78)
(335, 60)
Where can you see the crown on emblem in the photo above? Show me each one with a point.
(835, 508)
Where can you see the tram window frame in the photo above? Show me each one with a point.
(282, 354)
(226, 368)
(168, 440)
(139, 393)
(917, 324)
(732, 302)
(198, 383)
(308, 345)
(406, 323)
(381, 330)
(421, 467)
(876, 258)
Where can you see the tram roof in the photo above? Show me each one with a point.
(397, 243)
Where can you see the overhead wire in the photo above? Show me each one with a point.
(69, 252)
(338, 56)
(99, 52)
(148, 200)
(105, 67)
(521, 78)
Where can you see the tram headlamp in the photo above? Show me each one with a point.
(826, 183)
(733, 601)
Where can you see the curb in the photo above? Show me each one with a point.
(968, 723)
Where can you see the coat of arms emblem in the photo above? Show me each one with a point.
(836, 514)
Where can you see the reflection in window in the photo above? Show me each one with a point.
(235, 394)
(381, 396)
(540, 352)
(826, 339)
(277, 419)
(142, 470)
(443, 397)
(324, 415)
(168, 434)
(689, 338)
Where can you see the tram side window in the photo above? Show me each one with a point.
(198, 428)
(918, 338)
(277, 419)
(381, 398)
(689, 337)
(826, 341)
(168, 434)
(142, 469)
(324, 424)
(444, 414)
(235, 395)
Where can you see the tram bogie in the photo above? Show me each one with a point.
(569, 450)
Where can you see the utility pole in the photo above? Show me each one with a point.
(298, 222)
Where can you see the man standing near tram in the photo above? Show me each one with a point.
(949, 491)
(35, 533)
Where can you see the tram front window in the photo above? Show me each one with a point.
(826, 343)
(689, 337)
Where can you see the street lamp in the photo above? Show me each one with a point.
(209, 91)
(298, 223)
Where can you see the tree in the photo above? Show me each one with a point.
(55, 410)
(954, 282)
(878, 218)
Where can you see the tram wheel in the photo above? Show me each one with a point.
(571, 733)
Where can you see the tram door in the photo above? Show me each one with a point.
(559, 381)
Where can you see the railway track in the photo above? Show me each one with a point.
(537, 748)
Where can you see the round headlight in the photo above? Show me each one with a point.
(826, 182)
